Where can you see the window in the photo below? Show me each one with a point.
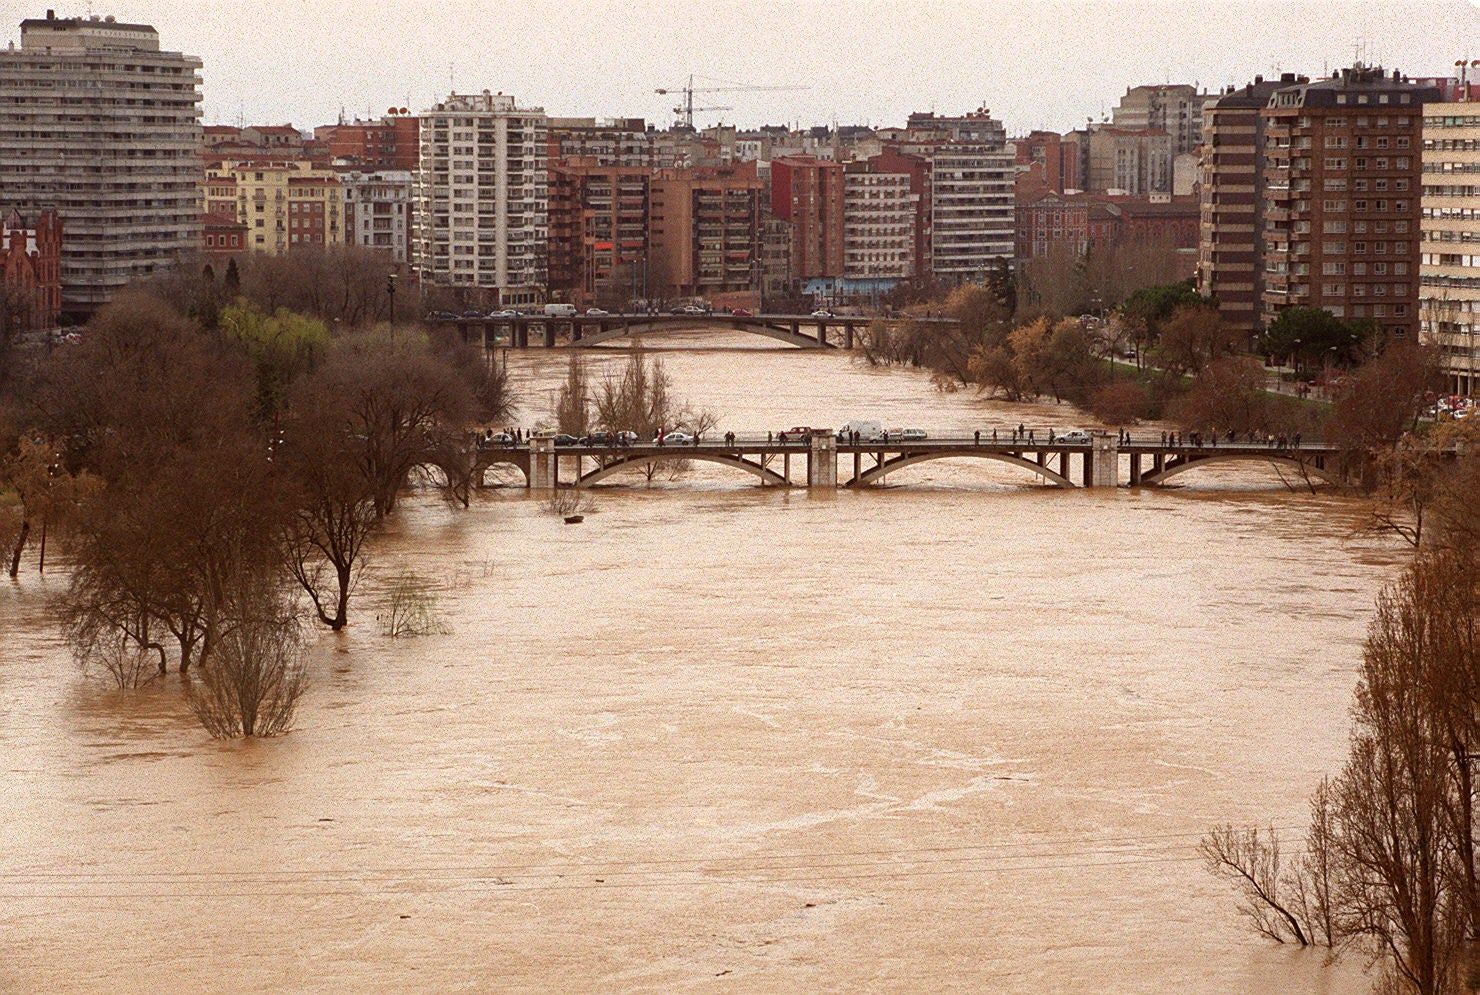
(1333, 163)
(1334, 205)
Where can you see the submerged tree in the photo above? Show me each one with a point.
(257, 674)
(1390, 863)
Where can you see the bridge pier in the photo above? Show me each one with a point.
(544, 473)
(1135, 469)
(848, 335)
(822, 459)
(1102, 461)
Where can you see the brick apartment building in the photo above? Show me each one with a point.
(599, 217)
(705, 232)
(807, 192)
(1343, 178)
(393, 142)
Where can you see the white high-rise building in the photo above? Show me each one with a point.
(377, 211)
(973, 218)
(100, 124)
(1449, 274)
(482, 201)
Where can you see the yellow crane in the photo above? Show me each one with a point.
(685, 110)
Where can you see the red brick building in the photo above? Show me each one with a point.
(222, 234)
(390, 143)
(1046, 161)
(807, 192)
(31, 270)
(1087, 221)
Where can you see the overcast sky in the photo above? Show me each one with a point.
(1034, 63)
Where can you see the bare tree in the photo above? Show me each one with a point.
(409, 608)
(256, 675)
(1251, 857)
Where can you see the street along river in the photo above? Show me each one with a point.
(960, 733)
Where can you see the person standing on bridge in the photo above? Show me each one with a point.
(994, 435)
(978, 437)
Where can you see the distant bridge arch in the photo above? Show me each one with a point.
(910, 459)
(781, 333)
(1180, 465)
(765, 473)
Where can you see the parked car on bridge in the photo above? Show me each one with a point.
(742, 312)
(596, 312)
(566, 440)
(688, 309)
(912, 435)
(674, 438)
(506, 313)
(1074, 437)
(800, 433)
(499, 439)
(599, 439)
(626, 438)
(823, 313)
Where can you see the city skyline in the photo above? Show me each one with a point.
(1037, 65)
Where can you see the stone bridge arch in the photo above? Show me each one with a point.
(910, 459)
(766, 474)
(777, 332)
(1180, 465)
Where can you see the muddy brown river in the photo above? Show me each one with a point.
(957, 734)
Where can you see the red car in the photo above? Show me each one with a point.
(742, 312)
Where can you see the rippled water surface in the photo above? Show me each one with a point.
(957, 734)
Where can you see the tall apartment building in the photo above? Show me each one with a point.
(598, 230)
(482, 197)
(1175, 108)
(1231, 223)
(1449, 276)
(100, 124)
(971, 203)
(807, 193)
(880, 208)
(705, 232)
(377, 211)
(1343, 178)
(283, 203)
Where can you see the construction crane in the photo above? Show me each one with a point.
(685, 111)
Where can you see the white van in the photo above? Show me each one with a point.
(560, 311)
(868, 431)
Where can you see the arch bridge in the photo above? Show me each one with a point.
(826, 459)
(806, 331)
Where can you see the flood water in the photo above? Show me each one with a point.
(957, 734)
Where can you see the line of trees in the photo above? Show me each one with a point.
(1190, 366)
(214, 476)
